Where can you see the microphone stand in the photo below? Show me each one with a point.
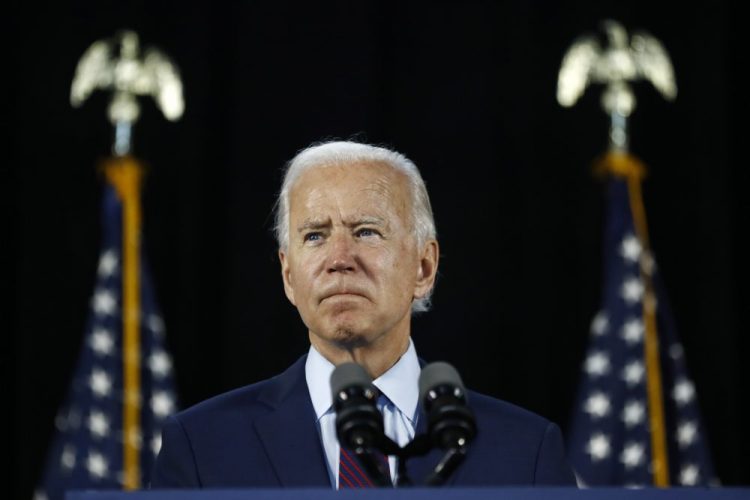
(451, 460)
(419, 446)
(374, 467)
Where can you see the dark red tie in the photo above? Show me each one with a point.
(351, 472)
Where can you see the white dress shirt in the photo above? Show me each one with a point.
(398, 384)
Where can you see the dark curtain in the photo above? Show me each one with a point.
(466, 89)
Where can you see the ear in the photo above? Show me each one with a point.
(427, 270)
(286, 277)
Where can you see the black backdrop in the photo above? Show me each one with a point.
(464, 88)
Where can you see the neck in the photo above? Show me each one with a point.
(376, 358)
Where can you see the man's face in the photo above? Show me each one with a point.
(352, 266)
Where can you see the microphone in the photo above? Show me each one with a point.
(359, 424)
(358, 421)
(450, 422)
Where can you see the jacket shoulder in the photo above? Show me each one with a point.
(499, 411)
(245, 402)
(516, 446)
(215, 443)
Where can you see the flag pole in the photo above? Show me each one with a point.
(620, 163)
(128, 75)
(125, 174)
(615, 66)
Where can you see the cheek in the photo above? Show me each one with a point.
(386, 260)
(400, 265)
(299, 279)
(306, 265)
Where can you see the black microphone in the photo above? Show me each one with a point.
(358, 421)
(359, 424)
(450, 422)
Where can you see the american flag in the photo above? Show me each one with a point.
(87, 450)
(609, 439)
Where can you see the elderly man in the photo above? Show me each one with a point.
(358, 254)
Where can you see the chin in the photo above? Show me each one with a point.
(348, 339)
(348, 332)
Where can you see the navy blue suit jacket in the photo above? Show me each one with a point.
(265, 435)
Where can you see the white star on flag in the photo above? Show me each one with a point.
(633, 372)
(632, 455)
(597, 405)
(155, 324)
(632, 290)
(630, 249)
(159, 363)
(162, 404)
(104, 302)
(599, 324)
(156, 444)
(686, 433)
(597, 364)
(632, 331)
(689, 475)
(97, 465)
(102, 341)
(683, 392)
(100, 382)
(68, 458)
(598, 447)
(107, 264)
(634, 413)
(98, 424)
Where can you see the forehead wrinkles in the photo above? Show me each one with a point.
(375, 186)
(394, 190)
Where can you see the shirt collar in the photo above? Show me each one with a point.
(399, 383)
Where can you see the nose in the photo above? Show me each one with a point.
(341, 257)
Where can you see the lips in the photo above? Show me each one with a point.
(343, 292)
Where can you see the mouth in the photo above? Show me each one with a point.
(343, 295)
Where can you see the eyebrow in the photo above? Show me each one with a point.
(365, 220)
(313, 224)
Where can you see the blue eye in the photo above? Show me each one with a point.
(312, 237)
(366, 232)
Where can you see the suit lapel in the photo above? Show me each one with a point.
(289, 434)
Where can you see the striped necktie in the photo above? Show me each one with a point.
(352, 474)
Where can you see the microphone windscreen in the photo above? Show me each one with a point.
(436, 374)
(348, 375)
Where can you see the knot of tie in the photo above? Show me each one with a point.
(384, 403)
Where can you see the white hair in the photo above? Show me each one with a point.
(350, 154)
